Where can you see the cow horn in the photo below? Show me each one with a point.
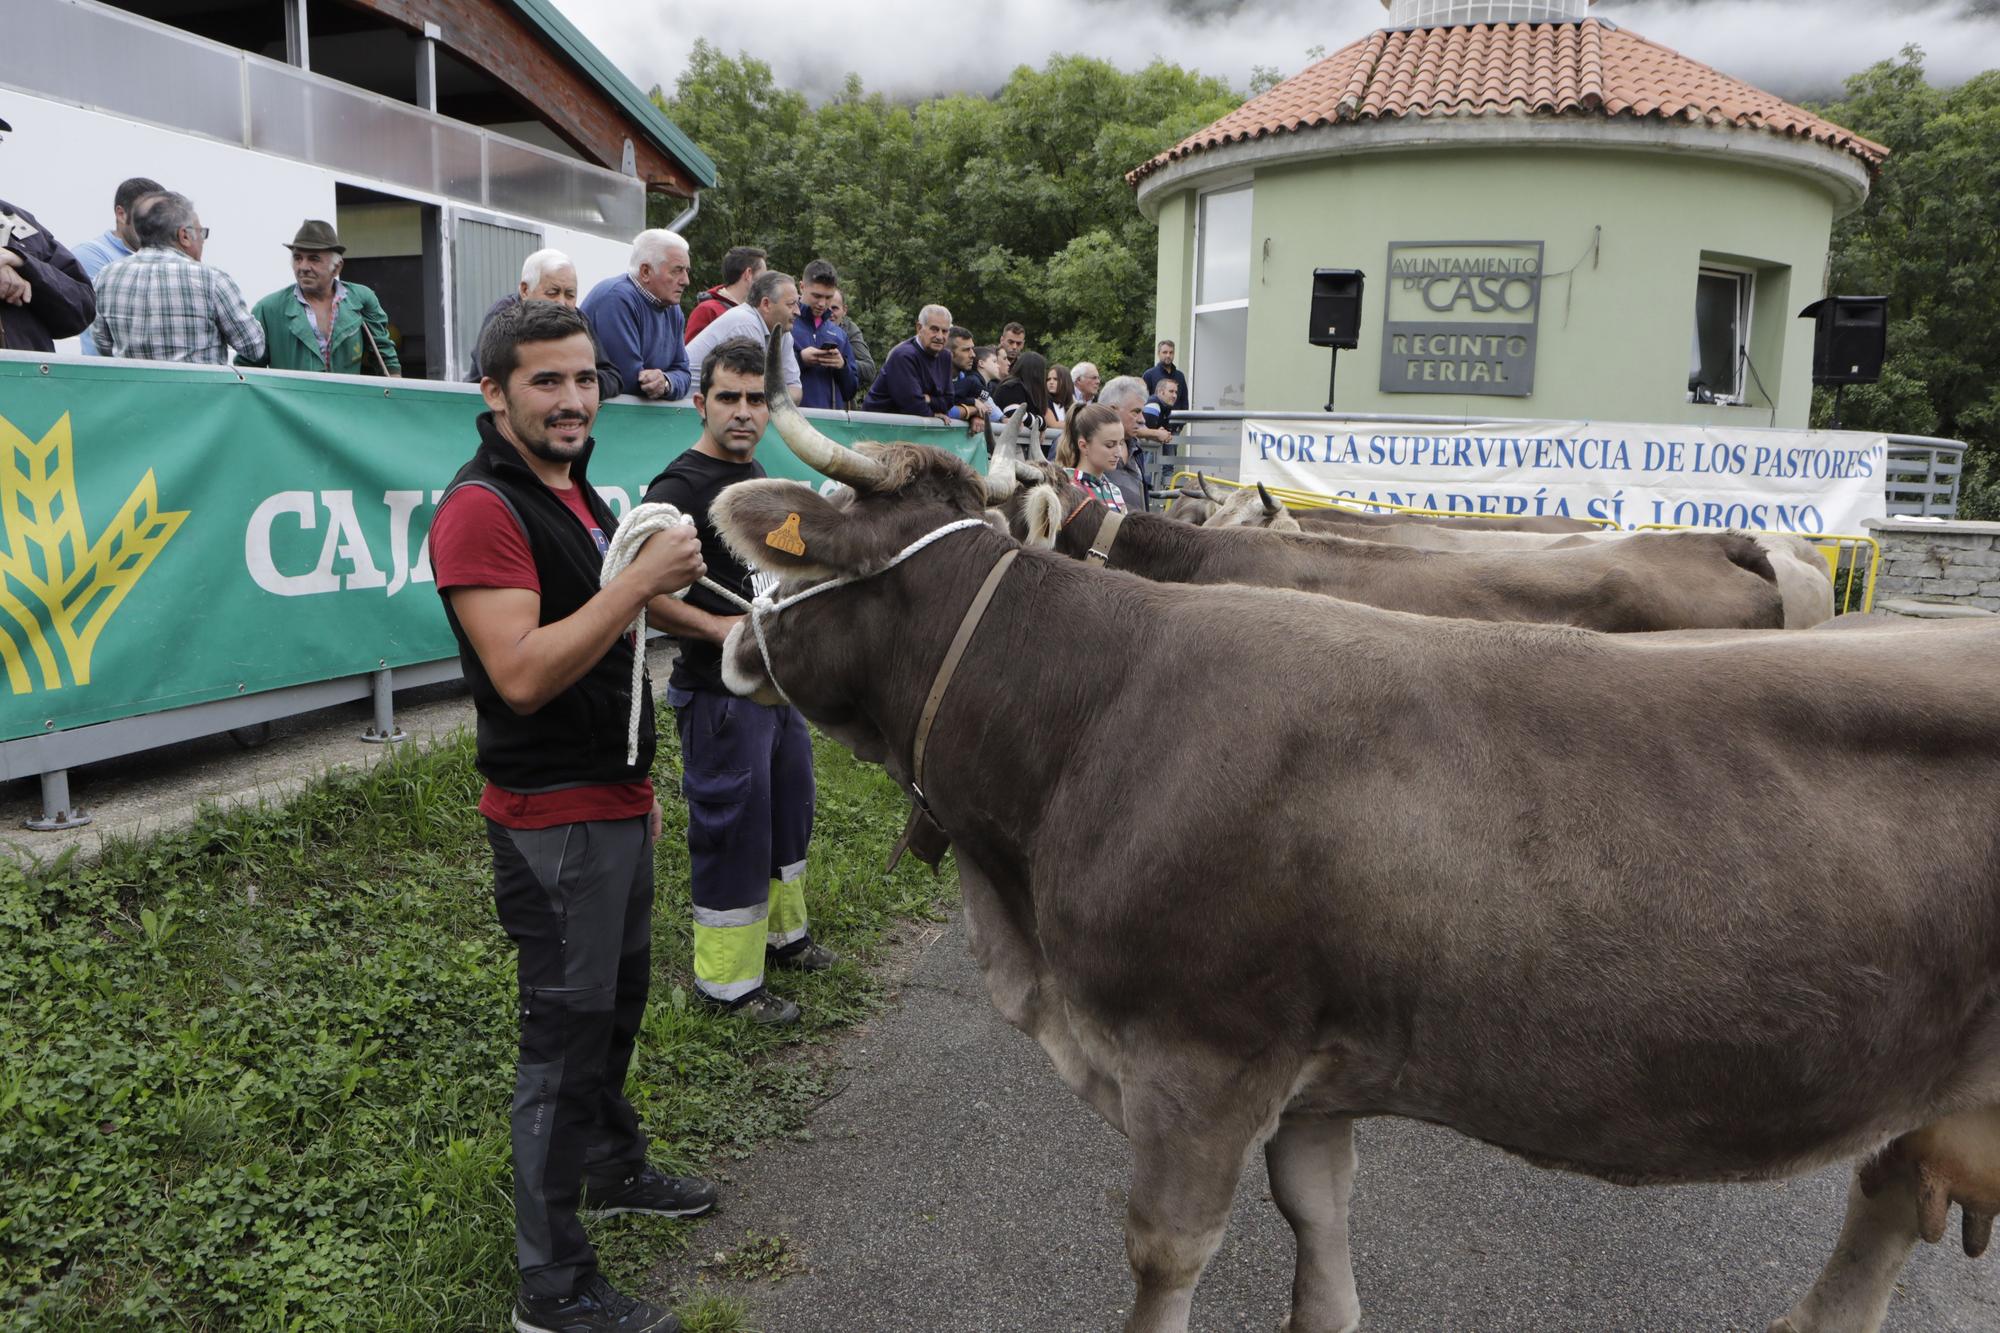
(1003, 476)
(823, 455)
(1201, 480)
(1010, 430)
(1270, 506)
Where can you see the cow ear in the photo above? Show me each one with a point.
(1042, 513)
(786, 527)
(998, 522)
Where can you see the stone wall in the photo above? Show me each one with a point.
(1956, 562)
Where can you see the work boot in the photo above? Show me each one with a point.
(594, 1307)
(653, 1192)
(805, 956)
(759, 1007)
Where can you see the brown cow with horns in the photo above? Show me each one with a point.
(1656, 909)
(1647, 581)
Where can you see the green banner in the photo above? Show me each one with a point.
(177, 535)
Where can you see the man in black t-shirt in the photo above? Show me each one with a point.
(746, 769)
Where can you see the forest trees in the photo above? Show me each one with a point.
(1929, 239)
(1008, 207)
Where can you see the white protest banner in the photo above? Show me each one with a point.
(1631, 474)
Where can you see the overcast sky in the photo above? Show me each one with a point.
(1797, 48)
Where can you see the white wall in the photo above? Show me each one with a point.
(63, 164)
(595, 258)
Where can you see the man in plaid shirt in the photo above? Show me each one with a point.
(161, 303)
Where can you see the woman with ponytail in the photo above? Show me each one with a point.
(1093, 439)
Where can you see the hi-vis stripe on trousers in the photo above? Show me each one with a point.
(747, 774)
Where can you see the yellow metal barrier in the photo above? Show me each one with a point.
(1853, 577)
(1317, 500)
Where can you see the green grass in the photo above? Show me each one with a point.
(254, 1074)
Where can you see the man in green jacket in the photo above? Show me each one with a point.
(319, 322)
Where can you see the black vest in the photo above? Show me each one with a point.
(577, 738)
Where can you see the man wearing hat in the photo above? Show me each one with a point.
(320, 322)
(43, 292)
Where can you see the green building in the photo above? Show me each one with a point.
(1556, 218)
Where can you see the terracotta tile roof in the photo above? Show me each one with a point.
(1549, 69)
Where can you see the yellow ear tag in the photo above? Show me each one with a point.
(785, 537)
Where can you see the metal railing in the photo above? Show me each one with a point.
(1921, 478)
(90, 55)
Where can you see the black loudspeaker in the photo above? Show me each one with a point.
(1850, 338)
(1336, 308)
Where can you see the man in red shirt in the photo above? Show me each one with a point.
(517, 546)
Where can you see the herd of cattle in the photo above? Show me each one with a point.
(1719, 902)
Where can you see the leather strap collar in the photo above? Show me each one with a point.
(920, 810)
(1107, 533)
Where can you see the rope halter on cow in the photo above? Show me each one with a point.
(764, 607)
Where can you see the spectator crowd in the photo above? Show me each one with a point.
(141, 290)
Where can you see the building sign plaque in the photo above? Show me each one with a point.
(1461, 317)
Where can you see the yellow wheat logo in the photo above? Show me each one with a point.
(55, 582)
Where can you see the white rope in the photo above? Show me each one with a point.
(764, 606)
(640, 522)
(724, 593)
(644, 520)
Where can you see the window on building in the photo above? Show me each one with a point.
(1721, 336)
(1218, 357)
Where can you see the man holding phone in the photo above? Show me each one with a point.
(826, 361)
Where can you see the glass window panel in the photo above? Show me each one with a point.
(102, 59)
(297, 115)
(1718, 304)
(1221, 338)
(572, 194)
(1224, 274)
(457, 161)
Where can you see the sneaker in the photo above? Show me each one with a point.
(760, 1007)
(653, 1192)
(595, 1307)
(806, 957)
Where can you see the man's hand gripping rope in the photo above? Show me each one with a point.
(640, 523)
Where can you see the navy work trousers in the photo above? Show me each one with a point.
(748, 776)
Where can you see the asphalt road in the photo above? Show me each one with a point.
(955, 1184)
